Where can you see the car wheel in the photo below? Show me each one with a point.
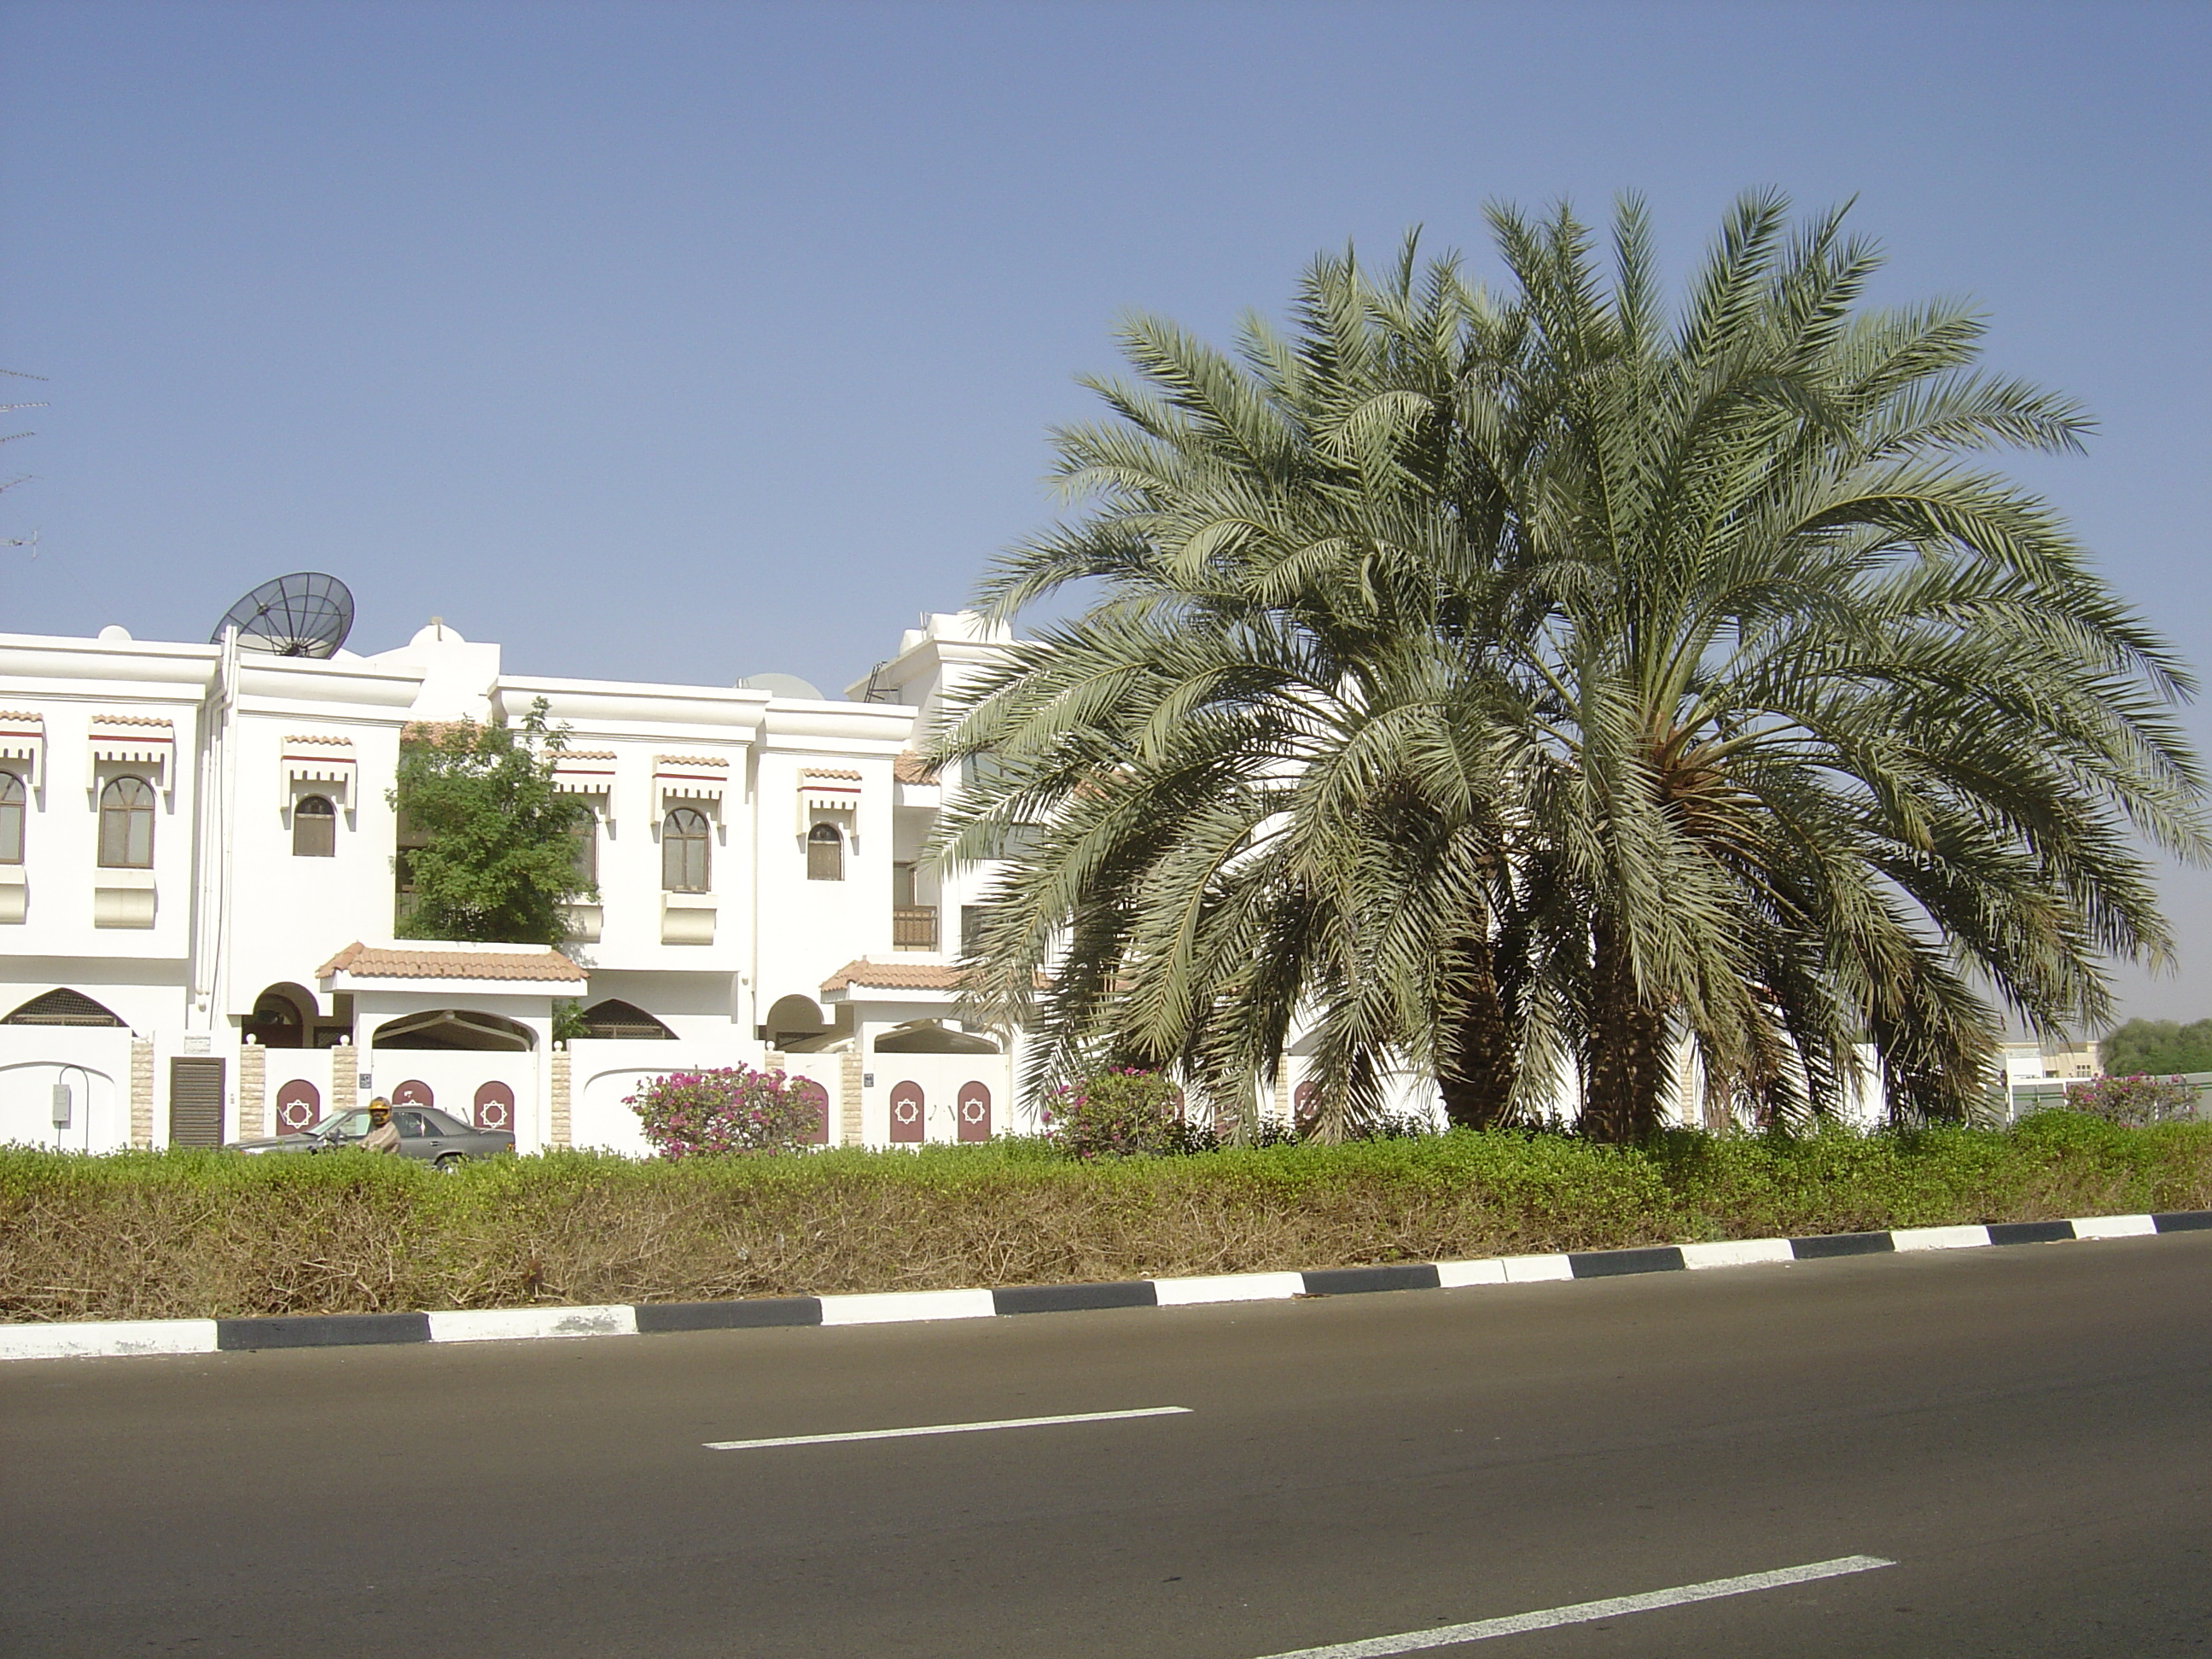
(451, 1162)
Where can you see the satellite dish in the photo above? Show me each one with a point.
(780, 685)
(305, 614)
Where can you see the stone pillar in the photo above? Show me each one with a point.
(253, 1091)
(848, 1105)
(345, 1078)
(141, 1092)
(557, 1125)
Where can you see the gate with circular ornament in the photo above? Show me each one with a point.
(1304, 1113)
(975, 1111)
(299, 1107)
(494, 1106)
(414, 1092)
(907, 1109)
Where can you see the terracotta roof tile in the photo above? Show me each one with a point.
(397, 962)
(584, 754)
(690, 760)
(906, 976)
(909, 768)
(20, 715)
(825, 772)
(309, 737)
(131, 719)
(895, 976)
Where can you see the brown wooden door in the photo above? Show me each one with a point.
(196, 1101)
(974, 1112)
(907, 1109)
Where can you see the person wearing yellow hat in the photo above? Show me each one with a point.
(383, 1135)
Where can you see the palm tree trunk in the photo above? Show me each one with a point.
(1622, 1068)
(1478, 1076)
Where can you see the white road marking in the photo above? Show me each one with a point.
(1584, 1613)
(947, 1428)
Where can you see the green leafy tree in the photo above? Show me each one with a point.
(494, 852)
(2162, 1046)
(1535, 686)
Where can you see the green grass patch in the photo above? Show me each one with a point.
(174, 1235)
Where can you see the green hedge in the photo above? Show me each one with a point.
(185, 1234)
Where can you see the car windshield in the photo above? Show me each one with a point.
(345, 1125)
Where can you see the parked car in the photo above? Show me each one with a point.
(429, 1135)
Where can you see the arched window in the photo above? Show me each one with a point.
(315, 828)
(275, 1022)
(11, 818)
(683, 843)
(61, 1007)
(825, 853)
(126, 825)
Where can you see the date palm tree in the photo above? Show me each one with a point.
(1542, 691)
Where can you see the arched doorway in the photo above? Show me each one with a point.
(455, 1028)
(414, 1092)
(61, 1007)
(1305, 1111)
(615, 1021)
(793, 1019)
(282, 1016)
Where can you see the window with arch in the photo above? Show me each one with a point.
(314, 828)
(825, 853)
(13, 800)
(684, 842)
(126, 824)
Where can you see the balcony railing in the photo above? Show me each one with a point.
(913, 927)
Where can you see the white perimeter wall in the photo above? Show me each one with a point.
(939, 1078)
(94, 1061)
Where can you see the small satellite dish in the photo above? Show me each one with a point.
(780, 685)
(305, 614)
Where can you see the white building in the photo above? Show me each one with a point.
(197, 898)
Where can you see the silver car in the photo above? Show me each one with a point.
(441, 1141)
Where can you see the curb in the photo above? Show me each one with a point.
(63, 1340)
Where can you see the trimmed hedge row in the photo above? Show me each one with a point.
(145, 1236)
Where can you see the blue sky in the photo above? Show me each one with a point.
(690, 341)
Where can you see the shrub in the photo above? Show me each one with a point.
(2133, 1102)
(1122, 1114)
(734, 1109)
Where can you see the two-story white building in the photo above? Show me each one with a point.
(201, 870)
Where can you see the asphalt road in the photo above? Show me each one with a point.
(2026, 1432)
